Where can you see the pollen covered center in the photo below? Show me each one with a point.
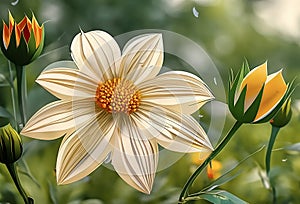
(118, 95)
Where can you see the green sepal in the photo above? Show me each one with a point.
(239, 107)
(10, 145)
(283, 116)
(251, 112)
(40, 47)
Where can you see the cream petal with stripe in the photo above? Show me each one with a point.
(174, 131)
(68, 84)
(86, 149)
(97, 54)
(142, 58)
(177, 90)
(135, 157)
(51, 122)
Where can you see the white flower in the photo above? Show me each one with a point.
(116, 105)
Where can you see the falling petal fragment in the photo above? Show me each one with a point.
(195, 12)
(15, 2)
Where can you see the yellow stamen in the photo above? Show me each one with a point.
(118, 95)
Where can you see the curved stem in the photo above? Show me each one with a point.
(207, 161)
(21, 89)
(13, 173)
(273, 136)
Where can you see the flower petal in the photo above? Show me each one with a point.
(66, 83)
(254, 80)
(174, 131)
(97, 54)
(142, 57)
(135, 157)
(274, 91)
(50, 122)
(86, 149)
(178, 90)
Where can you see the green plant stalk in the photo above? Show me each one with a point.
(273, 136)
(13, 173)
(21, 89)
(214, 153)
(12, 92)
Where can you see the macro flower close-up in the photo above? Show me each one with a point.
(117, 107)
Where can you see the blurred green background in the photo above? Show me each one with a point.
(228, 30)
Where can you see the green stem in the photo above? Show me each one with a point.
(214, 153)
(273, 136)
(12, 92)
(22, 89)
(13, 173)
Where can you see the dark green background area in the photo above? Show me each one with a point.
(227, 30)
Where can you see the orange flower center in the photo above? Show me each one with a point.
(118, 95)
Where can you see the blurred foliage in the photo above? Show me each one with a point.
(227, 30)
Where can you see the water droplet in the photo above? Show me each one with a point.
(215, 81)
(15, 2)
(195, 12)
(284, 160)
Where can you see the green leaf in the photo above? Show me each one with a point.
(24, 169)
(4, 113)
(231, 173)
(52, 193)
(3, 81)
(221, 197)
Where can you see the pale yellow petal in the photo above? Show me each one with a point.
(142, 58)
(174, 131)
(135, 157)
(178, 90)
(67, 84)
(254, 80)
(97, 54)
(274, 91)
(50, 122)
(86, 149)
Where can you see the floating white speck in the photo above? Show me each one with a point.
(200, 116)
(195, 12)
(215, 81)
(284, 160)
(15, 2)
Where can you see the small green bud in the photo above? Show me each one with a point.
(10, 145)
(283, 116)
